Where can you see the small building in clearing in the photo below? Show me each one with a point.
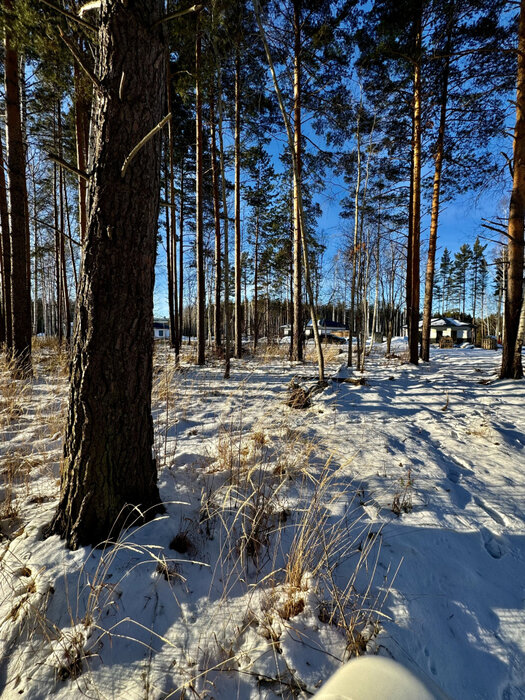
(161, 328)
(327, 327)
(445, 327)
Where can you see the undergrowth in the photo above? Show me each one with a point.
(274, 528)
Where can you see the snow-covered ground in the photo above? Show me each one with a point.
(387, 517)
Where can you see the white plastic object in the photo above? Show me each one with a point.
(378, 678)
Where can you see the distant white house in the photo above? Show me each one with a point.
(444, 327)
(325, 326)
(161, 328)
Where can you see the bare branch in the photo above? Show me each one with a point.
(70, 16)
(81, 62)
(95, 5)
(63, 164)
(142, 143)
(175, 15)
(54, 228)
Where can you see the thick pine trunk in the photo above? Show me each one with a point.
(20, 284)
(434, 215)
(237, 146)
(109, 467)
(297, 340)
(511, 364)
(413, 257)
(199, 233)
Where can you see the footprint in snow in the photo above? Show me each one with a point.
(494, 544)
(490, 511)
(460, 497)
(453, 476)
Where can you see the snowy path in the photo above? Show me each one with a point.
(457, 603)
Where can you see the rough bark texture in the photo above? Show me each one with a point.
(20, 283)
(415, 213)
(511, 364)
(297, 340)
(109, 467)
(434, 215)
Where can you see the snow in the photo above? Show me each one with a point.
(393, 509)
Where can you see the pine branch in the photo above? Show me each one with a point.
(59, 161)
(54, 228)
(80, 60)
(175, 15)
(142, 143)
(94, 5)
(70, 16)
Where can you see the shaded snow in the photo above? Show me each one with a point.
(440, 444)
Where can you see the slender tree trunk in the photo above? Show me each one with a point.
(434, 215)
(226, 241)
(237, 147)
(20, 284)
(63, 271)
(70, 237)
(378, 278)
(217, 222)
(351, 323)
(6, 257)
(199, 233)
(311, 304)
(181, 251)
(413, 257)
(81, 104)
(171, 228)
(58, 276)
(256, 282)
(511, 364)
(109, 474)
(297, 340)
(36, 256)
(61, 233)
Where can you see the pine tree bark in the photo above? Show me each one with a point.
(20, 283)
(109, 470)
(199, 233)
(297, 340)
(434, 214)
(413, 257)
(511, 364)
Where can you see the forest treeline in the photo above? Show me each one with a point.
(375, 95)
(206, 135)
